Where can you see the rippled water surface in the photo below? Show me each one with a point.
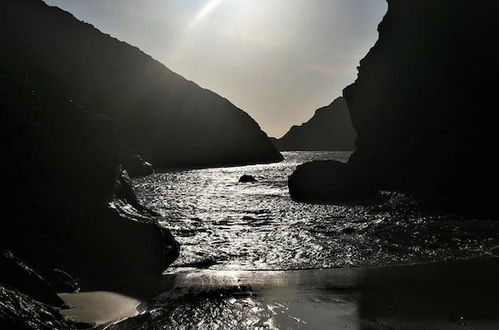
(256, 226)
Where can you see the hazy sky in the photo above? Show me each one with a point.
(278, 60)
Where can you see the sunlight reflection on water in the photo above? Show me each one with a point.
(426, 296)
(248, 226)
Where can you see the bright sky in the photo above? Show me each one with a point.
(278, 60)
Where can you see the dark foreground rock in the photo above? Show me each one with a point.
(168, 120)
(329, 129)
(247, 179)
(136, 166)
(425, 102)
(60, 280)
(66, 202)
(20, 312)
(328, 181)
(17, 274)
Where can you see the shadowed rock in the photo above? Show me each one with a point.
(425, 102)
(66, 203)
(20, 312)
(16, 274)
(60, 280)
(328, 181)
(247, 179)
(136, 166)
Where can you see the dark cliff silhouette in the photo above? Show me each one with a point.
(66, 203)
(425, 102)
(68, 208)
(169, 121)
(330, 129)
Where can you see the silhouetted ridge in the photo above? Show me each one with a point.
(168, 120)
(329, 129)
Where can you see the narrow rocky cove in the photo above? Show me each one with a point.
(135, 199)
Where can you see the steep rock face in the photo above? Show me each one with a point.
(425, 101)
(168, 120)
(20, 312)
(17, 274)
(330, 129)
(65, 200)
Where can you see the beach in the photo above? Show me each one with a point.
(442, 295)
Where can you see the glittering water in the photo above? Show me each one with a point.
(256, 226)
(445, 295)
(251, 235)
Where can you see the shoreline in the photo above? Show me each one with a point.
(99, 307)
(442, 295)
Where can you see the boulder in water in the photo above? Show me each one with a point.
(247, 179)
(328, 181)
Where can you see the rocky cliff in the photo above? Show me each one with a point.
(170, 121)
(330, 129)
(67, 206)
(425, 102)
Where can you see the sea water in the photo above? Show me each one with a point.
(278, 264)
(257, 226)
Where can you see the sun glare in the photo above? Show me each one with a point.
(210, 6)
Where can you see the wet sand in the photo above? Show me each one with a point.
(99, 307)
(443, 295)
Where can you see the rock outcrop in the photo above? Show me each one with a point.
(246, 178)
(330, 129)
(67, 205)
(17, 274)
(425, 103)
(169, 121)
(65, 198)
(328, 181)
(135, 165)
(20, 312)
